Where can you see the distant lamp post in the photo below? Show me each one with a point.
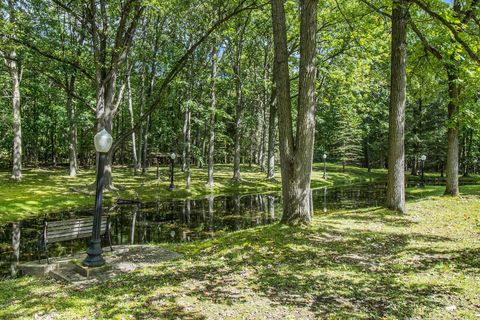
(103, 142)
(173, 156)
(324, 166)
(422, 182)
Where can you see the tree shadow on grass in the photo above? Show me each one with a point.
(334, 268)
(372, 215)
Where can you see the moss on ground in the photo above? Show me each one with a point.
(363, 264)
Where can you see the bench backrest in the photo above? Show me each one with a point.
(63, 230)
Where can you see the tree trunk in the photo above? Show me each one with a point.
(15, 75)
(211, 126)
(263, 140)
(272, 117)
(187, 157)
(17, 119)
(453, 145)
(238, 110)
(296, 155)
(140, 126)
(108, 61)
(184, 145)
(396, 152)
(72, 145)
(132, 120)
(145, 146)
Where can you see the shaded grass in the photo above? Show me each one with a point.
(365, 264)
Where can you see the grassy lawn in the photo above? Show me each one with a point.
(48, 190)
(353, 264)
(43, 190)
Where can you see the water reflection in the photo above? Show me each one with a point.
(15, 249)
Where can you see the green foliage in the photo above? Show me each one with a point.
(353, 40)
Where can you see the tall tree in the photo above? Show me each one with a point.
(109, 57)
(14, 69)
(240, 31)
(211, 121)
(451, 61)
(296, 150)
(398, 88)
(132, 119)
(272, 119)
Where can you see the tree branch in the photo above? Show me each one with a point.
(428, 47)
(450, 27)
(50, 56)
(377, 9)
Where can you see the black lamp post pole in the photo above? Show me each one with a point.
(324, 168)
(172, 186)
(94, 252)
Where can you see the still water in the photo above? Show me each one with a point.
(177, 220)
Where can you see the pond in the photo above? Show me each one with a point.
(177, 220)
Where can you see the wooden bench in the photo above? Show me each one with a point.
(63, 230)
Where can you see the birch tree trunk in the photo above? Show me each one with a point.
(17, 118)
(211, 125)
(72, 144)
(188, 147)
(145, 146)
(15, 75)
(140, 126)
(184, 135)
(238, 104)
(132, 119)
(396, 152)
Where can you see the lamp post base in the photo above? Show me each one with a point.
(94, 255)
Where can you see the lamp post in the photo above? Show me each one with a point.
(423, 158)
(172, 157)
(103, 142)
(324, 166)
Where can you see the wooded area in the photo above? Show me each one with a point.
(207, 80)
(240, 159)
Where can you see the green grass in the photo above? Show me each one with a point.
(362, 264)
(50, 190)
(42, 191)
